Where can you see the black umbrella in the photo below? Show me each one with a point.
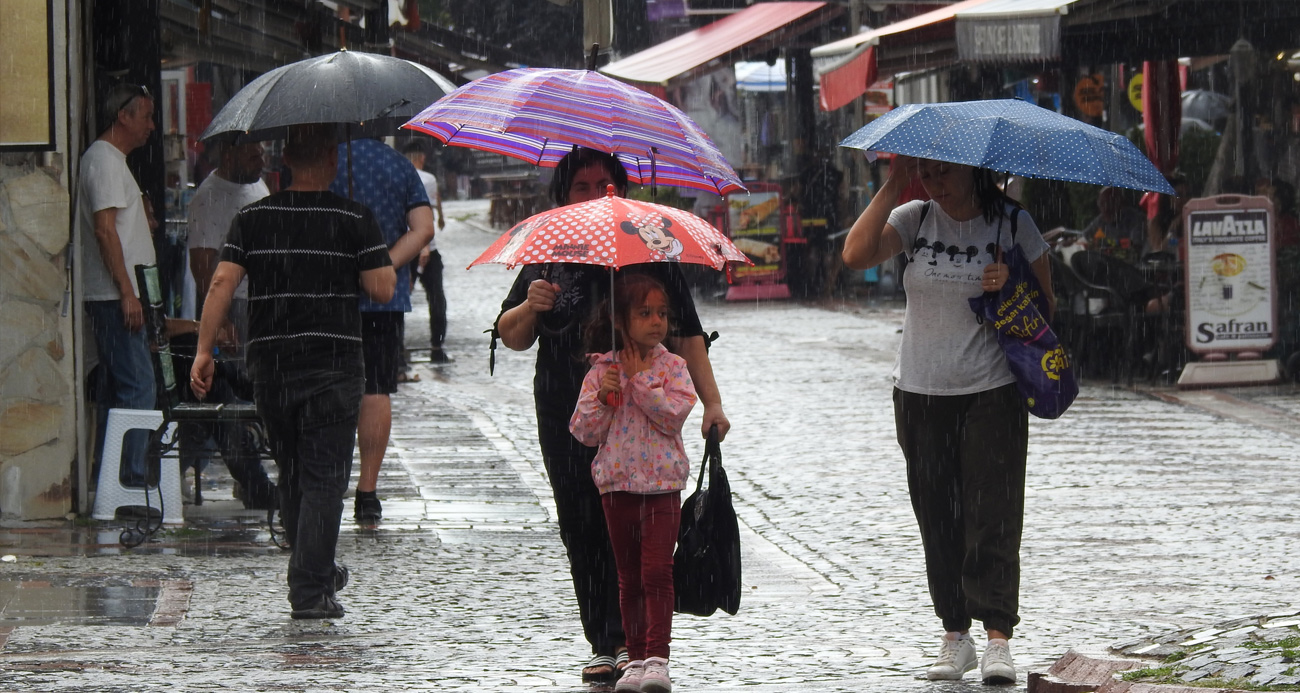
(366, 94)
(1205, 105)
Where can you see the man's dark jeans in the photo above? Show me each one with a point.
(431, 280)
(127, 370)
(311, 421)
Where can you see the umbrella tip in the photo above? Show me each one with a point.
(609, 190)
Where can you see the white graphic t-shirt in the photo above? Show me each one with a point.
(106, 182)
(214, 205)
(944, 350)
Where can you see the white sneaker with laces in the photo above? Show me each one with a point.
(997, 669)
(956, 657)
(655, 679)
(630, 681)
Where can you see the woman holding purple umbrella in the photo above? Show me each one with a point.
(548, 305)
(961, 422)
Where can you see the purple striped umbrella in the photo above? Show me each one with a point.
(539, 114)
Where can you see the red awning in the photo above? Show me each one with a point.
(847, 81)
(758, 29)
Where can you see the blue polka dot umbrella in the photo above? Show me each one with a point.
(1011, 136)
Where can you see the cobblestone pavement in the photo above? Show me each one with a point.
(1252, 648)
(1147, 512)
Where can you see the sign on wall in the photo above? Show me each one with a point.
(26, 76)
(1229, 274)
(1002, 39)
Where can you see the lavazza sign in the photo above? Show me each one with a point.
(1230, 292)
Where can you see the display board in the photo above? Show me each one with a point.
(1229, 273)
(755, 226)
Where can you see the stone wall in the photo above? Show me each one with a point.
(38, 437)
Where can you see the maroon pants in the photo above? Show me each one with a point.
(643, 532)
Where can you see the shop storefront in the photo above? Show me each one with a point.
(769, 134)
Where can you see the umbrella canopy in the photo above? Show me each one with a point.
(369, 95)
(1206, 105)
(1011, 136)
(614, 232)
(539, 115)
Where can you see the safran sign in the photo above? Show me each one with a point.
(1006, 40)
(1229, 275)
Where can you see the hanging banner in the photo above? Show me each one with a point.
(1229, 274)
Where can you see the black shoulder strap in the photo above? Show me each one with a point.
(925, 210)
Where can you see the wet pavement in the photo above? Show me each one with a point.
(1148, 512)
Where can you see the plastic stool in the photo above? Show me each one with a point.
(111, 494)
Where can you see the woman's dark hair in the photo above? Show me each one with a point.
(630, 291)
(578, 159)
(991, 199)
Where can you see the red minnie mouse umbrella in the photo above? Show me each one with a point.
(613, 232)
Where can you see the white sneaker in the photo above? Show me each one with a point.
(956, 657)
(997, 669)
(655, 679)
(630, 681)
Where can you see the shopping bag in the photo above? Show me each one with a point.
(706, 565)
(1018, 312)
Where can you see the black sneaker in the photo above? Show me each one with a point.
(437, 355)
(366, 507)
(323, 607)
(341, 576)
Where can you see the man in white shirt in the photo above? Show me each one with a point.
(430, 261)
(236, 183)
(114, 239)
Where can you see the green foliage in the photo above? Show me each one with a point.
(1286, 643)
(1148, 674)
(1196, 154)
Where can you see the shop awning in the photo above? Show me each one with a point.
(845, 80)
(975, 30)
(846, 67)
(752, 31)
(1011, 30)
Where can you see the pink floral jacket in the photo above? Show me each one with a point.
(641, 441)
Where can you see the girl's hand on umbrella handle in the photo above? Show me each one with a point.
(541, 296)
(611, 391)
(995, 276)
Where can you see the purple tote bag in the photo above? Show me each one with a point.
(1018, 312)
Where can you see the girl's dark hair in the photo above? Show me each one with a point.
(630, 291)
(578, 159)
(993, 202)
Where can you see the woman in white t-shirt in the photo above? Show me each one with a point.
(961, 423)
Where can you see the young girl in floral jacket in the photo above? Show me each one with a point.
(633, 404)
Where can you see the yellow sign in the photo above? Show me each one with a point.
(1089, 97)
(1135, 91)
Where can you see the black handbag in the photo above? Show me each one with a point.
(706, 565)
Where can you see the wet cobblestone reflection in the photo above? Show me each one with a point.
(1145, 515)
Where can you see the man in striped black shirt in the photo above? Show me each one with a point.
(308, 255)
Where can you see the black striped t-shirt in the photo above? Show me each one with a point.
(304, 253)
